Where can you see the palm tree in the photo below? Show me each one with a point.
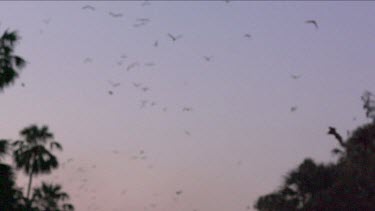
(33, 154)
(9, 195)
(50, 197)
(10, 64)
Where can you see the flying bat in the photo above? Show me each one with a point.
(145, 3)
(313, 22)
(137, 84)
(87, 60)
(187, 109)
(136, 25)
(88, 7)
(115, 15)
(143, 103)
(132, 65)
(47, 21)
(150, 64)
(143, 19)
(114, 84)
(332, 131)
(145, 89)
(174, 38)
(207, 58)
(187, 133)
(295, 76)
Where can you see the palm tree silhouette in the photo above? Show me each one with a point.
(32, 154)
(50, 197)
(10, 64)
(9, 195)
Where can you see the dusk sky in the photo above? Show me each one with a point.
(208, 114)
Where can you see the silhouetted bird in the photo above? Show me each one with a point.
(156, 43)
(110, 92)
(23, 84)
(247, 36)
(88, 7)
(179, 192)
(174, 38)
(313, 22)
(115, 15)
(123, 56)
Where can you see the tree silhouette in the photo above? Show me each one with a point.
(9, 195)
(50, 197)
(10, 64)
(33, 154)
(348, 184)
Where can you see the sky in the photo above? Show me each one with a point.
(220, 132)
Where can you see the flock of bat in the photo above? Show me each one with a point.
(91, 192)
(143, 103)
(174, 38)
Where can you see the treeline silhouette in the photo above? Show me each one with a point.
(32, 154)
(347, 184)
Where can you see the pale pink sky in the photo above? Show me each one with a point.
(242, 137)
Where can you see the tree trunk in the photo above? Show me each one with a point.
(29, 186)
